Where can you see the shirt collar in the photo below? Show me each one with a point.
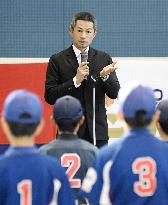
(67, 137)
(78, 52)
(20, 150)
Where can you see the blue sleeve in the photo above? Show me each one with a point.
(3, 184)
(96, 185)
(65, 194)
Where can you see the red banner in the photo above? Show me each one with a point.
(31, 77)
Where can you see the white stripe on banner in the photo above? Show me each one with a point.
(45, 60)
(23, 60)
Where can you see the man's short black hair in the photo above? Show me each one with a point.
(164, 126)
(163, 119)
(22, 129)
(85, 16)
(139, 121)
(67, 126)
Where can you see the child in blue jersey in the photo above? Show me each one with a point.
(26, 176)
(132, 170)
(162, 123)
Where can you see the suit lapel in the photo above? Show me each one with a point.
(92, 53)
(71, 57)
(91, 60)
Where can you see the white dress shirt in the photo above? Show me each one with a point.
(78, 56)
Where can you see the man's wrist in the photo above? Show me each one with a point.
(75, 84)
(105, 78)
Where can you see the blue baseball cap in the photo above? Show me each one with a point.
(135, 97)
(67, 108)
(22, 106)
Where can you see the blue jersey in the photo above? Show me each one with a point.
(30, 178)
(131, 171)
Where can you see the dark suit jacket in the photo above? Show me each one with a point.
(62, 69)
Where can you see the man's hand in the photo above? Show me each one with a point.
(108, 69)
(82, 72)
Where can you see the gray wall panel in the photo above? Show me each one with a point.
(38, 28)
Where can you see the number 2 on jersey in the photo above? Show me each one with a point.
(146, 168)
(73, 162)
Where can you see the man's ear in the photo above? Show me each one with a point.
(82, 119)
(5, 128)
(120, 116)
(156, 116)
(52, 119)
(158, 125)
(95, 34)
(39, 128)
(71, 31)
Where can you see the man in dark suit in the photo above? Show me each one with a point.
(68, 74)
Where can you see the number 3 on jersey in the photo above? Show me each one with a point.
(146, 168)
(73, 162)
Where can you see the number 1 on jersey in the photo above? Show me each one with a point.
(24, 188)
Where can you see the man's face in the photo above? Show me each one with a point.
(82, 34)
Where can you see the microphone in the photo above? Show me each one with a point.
(84, 58)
